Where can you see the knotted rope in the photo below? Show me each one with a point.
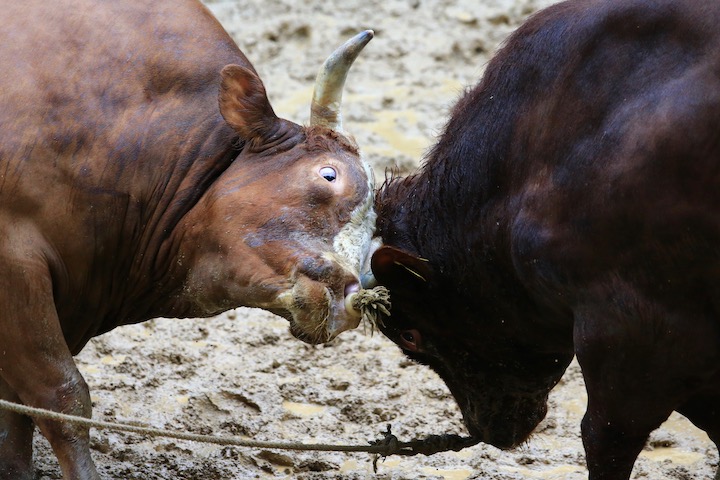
(373, 304)
(389, 445)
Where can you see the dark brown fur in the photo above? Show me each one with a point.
(571, 207)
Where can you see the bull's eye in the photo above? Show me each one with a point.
(410, 340)
(328, 173)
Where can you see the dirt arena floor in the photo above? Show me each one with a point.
(243, 374)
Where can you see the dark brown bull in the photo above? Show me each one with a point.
(143, 173)
(572, 207)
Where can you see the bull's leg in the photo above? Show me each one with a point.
(637, 367)
(15, 440)
(56, 384)
(610, 448)
(37, 364)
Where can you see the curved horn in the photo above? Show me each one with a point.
(327, 96)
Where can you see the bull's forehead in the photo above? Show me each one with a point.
(352, 243)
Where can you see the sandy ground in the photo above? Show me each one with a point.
(243, 374)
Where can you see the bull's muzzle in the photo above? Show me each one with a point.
(316, 314)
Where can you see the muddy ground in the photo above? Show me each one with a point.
(243, 374)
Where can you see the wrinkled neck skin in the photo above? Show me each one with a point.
(125, 227)
(181, 209)
(211, 275)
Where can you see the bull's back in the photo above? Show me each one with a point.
(75, 71)
(96, 95)
(620, 158)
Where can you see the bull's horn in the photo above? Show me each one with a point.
(327, 96)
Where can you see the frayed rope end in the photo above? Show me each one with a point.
(373, 304)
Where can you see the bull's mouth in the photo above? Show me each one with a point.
(315, 314)
(510, 426)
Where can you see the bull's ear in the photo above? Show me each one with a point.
(244, 104)
(391, 265)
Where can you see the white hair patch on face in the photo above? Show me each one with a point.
(352, 243)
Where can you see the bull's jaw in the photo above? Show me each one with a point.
(316, 305)
(312, 297)
(309, 290)
(215, 284)
(504, 425)
(501, 407)
(315, 314)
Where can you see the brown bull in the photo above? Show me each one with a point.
(572, 207)
(143, 173)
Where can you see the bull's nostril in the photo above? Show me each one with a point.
(352, 288)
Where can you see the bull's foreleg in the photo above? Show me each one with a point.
(56, 385)
(71, 443)
(15, 440)
(640, 362)
(621, 412)
(37, 365)
(610, 449)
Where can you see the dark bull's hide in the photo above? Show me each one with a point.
(572, 207)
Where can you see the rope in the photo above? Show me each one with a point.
(373, 304)
(389, 445)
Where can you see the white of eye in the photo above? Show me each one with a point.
(328, 173)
